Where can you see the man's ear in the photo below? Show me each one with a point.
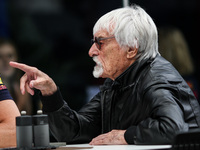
(132, 52)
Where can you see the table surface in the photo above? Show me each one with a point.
(113, 147)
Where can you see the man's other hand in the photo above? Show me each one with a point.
(114, 137)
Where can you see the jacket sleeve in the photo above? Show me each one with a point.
(70, 126)
(165, 116)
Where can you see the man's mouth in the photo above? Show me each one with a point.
(95, 59)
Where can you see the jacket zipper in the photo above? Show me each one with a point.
(110, 114)
(102, 112)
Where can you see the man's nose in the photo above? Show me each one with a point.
(93, 51)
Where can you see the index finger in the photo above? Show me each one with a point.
(21, 66)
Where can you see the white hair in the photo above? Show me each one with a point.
(132, 27)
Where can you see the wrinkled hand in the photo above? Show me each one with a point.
(34, 78)
(111, 138)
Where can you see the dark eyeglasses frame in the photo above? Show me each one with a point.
(97, 40)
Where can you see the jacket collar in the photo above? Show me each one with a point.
(128, 77)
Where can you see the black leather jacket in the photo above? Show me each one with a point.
(150, 100)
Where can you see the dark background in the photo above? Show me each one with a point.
(54, 35)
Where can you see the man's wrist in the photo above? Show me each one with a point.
(49, 92)
(52, 102)
(129, 135)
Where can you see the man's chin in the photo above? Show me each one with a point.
(97, 74)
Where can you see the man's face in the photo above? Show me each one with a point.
(110, 60)
(7, 54)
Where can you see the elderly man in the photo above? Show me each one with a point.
(144, 100)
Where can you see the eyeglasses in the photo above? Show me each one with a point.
(97, 40)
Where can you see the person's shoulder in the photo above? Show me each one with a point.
(4, 93)
(160, 72)
(161, 68)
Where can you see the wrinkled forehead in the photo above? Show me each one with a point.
(101, 33)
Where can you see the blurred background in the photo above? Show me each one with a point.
(55, 35)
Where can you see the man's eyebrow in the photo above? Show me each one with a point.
(100, 36)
